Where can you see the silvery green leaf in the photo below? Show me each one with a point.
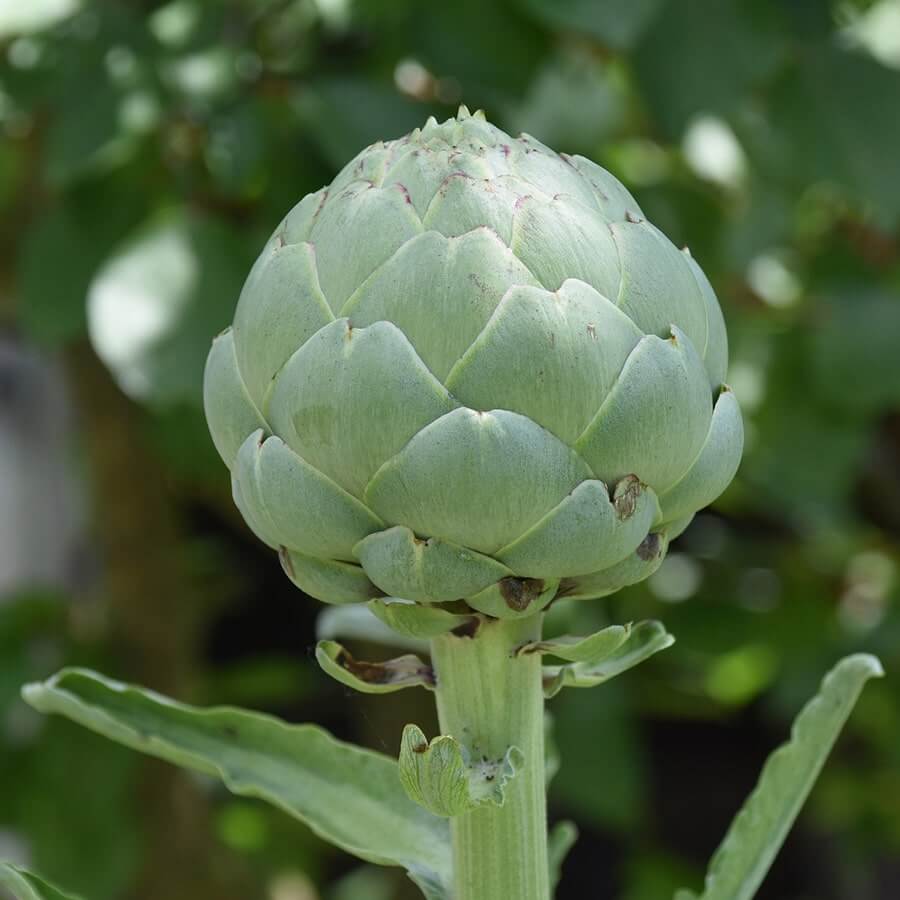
(743, 858)
(644, 639)
(561, 840)
(443, 777)
(25, 885)
(373, 678)
(413, 620)
(349, 796)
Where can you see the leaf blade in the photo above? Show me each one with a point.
(349, 796)
(25, 885)
(757, 832)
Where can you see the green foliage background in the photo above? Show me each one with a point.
(147, 152)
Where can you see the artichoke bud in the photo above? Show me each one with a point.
(471, 370)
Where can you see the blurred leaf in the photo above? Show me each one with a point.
(853, 349)
(701, 57)
(572, 104)
(35, 15)
(596, 732)
(60, 252)
(616, 23)
(829, 123)
(759, 829)
(26, 886)
(560, 841)
(349, 796)
(83, 135)
(345, 114)
(156, 304)
(460, 42)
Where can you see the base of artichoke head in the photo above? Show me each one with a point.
(490, 698)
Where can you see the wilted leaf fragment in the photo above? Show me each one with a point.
(373, 678)
(24, 885)
(645, 639)
(743, 858)
(442, 776)
(349, 796)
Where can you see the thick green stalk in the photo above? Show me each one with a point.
(490, 699)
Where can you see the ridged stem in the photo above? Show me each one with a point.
(490, 699)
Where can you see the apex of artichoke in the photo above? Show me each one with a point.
(470, 369)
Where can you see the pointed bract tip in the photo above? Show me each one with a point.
(463, 112)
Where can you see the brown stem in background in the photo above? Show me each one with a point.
(154, 616)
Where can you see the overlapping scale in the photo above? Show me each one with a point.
(528, 283)
(426, 570)
(356, 230)
(479, 479)
(613, 198)
(350, 398)
(328, 580)
(715, 353)
(582, 244)
(655, 419)
(301, 508)
(551, 356)
(230, 413)
(716, 465)
(280, 308)
(440, 292)
(658, 289)
(588, 531)
(637, 566)
(463, 203)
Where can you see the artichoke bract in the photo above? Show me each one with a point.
(470, 369)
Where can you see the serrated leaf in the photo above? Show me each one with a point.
(442, 776)
(645, 639)
(743, 858)
(24, 885)
(349, 796)
(373, 678)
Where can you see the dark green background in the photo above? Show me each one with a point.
(166, 141)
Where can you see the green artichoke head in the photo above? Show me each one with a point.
(470, 369)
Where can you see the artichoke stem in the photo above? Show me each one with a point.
(490, 699)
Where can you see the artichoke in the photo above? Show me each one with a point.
(470, 369)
